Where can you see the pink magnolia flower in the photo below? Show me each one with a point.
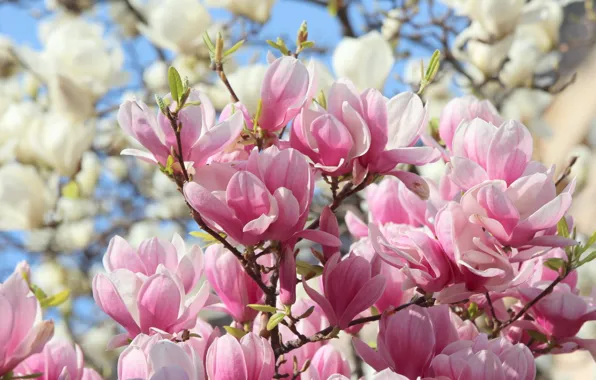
(155, 297)
(482, 151)
(386, 374)
(231, 282)
(154, 358)
(523, 214)
(418, 255)
(327, 362)
(348, 287)
(268, 199)
(251, 358)
(390, 201)
(395, 127)
(201, 137)
(409, 339)
(22, 331)
(465, 109)
(185, 263)
(482, 359)
(58, 360)
(333, 138)
(482, 264)
(560, 314)
(286, 87)
(541, 273)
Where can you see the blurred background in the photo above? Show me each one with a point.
(66, 65)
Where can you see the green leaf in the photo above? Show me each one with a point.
(56, 299)
(207, 239)
(273, 45)
(591, 241)
(555, 263)
(71, 190)
(332, 8)
(591, 256)
(305, 269)
(563, 228)
(234, 48)
(30, 376)
(208, 42)
(236, 333)
(39, 294)
(307, 44)
(161, 104)
(263, 308)
(473, 310)
(176, 86)
(538, 336)
(274, 320)
(433, 66)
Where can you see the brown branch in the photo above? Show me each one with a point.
(222, 75)
(324, 334)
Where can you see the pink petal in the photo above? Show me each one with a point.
(370, 356)
(509, 152)
(364, 299)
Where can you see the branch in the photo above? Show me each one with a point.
(324, 334)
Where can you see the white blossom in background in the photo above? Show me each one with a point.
(25, 197)
(366, 60)
(323, 76)
(437, 93)
(155, 76)
(151, 228)
(79, 50)
(258, 11)
(14, 123)
(527, 106)
(581, 169)
(115, 167)
(177, 25)
(246, 82)
(88, 176)
(73, 209)
(122, 16)
(546, 16)
(497, 17)
(392, 24)
(57, 143)
(74, 235)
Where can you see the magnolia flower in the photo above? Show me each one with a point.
(58, 360)
(409, 339)
(366, 60)
(152, 358)
(23, 332)
(232, 284)
(201, 136)
(497, 17)
(177, 25)
(349, 288)
(485, 56)
(14, 123)
(251, 358)
(259, 11)
(77, 49)
(152, 290)
(326, 362)
(58, 143)
(25, 197)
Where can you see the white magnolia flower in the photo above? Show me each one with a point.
(527, 106)
(116, 167)
(57, 143)
(258, 11)
(88, 176)
(497, 17)
(25, 197)
(485, 56)
(150, 228)
(546, 15)
(523, 56)
(14, 122)
(177, 25)
(122, 16)
(323, 76)
(78, 50)
(366, 60)
(74, 235)
(246, 82)
(72, 209)
(155, 76)
(392, 24)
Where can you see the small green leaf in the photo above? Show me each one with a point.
(39, 294)
(236, 333)
(207, 239)
(305, 269)
(473, 310)
(563, 228)
(591, 256)
(176, 86)
(332, 8)
(307, 44)
(234, 48)
(538, 336)
(433, 66)
(30, 376)
(321, 99)
(56, 299)
(208, 42)
(263, 308)
(274, 320)
(161, 104)
(273, 44)
(71, 190)
(555, 263)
